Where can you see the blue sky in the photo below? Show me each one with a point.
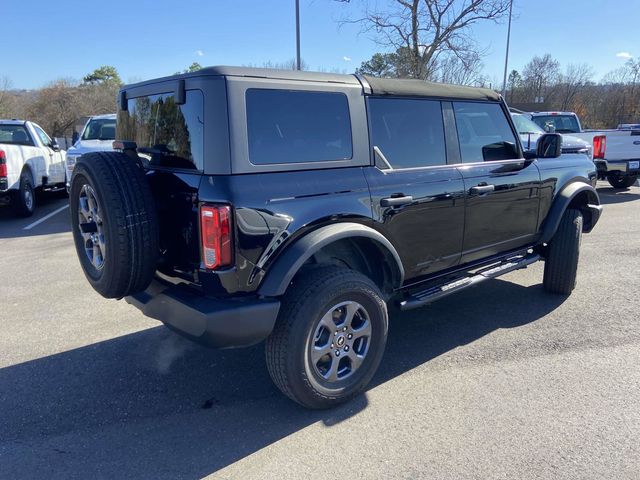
(146, 39)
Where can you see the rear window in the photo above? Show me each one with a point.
(562, 123)
(100, 129)
(484, 132)
(286, 126)
(167, 134)
(15, 135)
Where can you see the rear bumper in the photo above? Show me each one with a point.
(621, 166)
(213, 322)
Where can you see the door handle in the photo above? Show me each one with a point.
(480, 189)
(396, 201)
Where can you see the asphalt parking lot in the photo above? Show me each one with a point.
(500, 381)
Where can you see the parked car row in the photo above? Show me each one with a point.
(32, 161)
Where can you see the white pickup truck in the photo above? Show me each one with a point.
(97, 135)
(29, 160)
(616, 153)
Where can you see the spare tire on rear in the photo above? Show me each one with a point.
(114, 223)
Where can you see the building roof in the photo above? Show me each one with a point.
(378, 86)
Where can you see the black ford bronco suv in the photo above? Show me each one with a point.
(250, 204)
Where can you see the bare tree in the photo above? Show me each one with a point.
(540, 76)
(56, 107)
(574, 80)
(6, 100)
(427, 31)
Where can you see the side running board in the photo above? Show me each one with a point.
(436, 292)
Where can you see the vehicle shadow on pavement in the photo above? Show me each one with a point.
(152, 405)
(12, 226)
(610, 195)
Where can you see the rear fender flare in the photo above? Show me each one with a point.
(580, 195)
(280, 274)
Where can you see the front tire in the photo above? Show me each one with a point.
(563, 253)
(329, 337)
(621, 180)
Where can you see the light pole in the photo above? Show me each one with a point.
(506, 57)
(297, 34)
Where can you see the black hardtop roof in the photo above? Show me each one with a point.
(378, 86)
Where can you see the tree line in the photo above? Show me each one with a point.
(544, 85)
(422, 39)
(60, 104)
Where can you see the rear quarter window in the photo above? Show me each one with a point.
(167, 134)
(290, 126)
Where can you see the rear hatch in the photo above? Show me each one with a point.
(169, 138)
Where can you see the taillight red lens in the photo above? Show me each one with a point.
(599, 146)
(3, 164)
(215, 224)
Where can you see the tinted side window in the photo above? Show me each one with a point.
(409, 133)
(167, 134)
(484, 132)
(286, 126)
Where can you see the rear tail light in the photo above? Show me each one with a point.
(215, 225)
(599, 146)
(3, 164)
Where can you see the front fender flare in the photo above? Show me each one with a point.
(564, 200)
(280, 274)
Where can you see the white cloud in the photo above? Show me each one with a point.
(625, 55)
(200, 53)
(346, 59)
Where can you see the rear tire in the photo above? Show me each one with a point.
(561, 263)
(621, 180)
(24, 200)
(329, 337)
(114, 223)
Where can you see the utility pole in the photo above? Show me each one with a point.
(506, 57)
(297, 34)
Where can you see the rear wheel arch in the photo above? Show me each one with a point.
(29, 169)
(577, 195)
(351, 245)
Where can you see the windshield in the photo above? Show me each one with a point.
(562, 123)
(100, 129)
(524, 125)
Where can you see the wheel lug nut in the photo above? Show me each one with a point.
(346, 348)
(337, 353)
(350, 336)
(344, 329)
(332, 345)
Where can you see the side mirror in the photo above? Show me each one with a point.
(549, 146)
(54, 145)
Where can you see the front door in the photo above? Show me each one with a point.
(417, 199)
(502, 189)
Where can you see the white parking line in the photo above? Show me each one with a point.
(46, 217)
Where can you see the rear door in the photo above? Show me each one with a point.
(502, 189)
(417, 199)
(169, 135)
